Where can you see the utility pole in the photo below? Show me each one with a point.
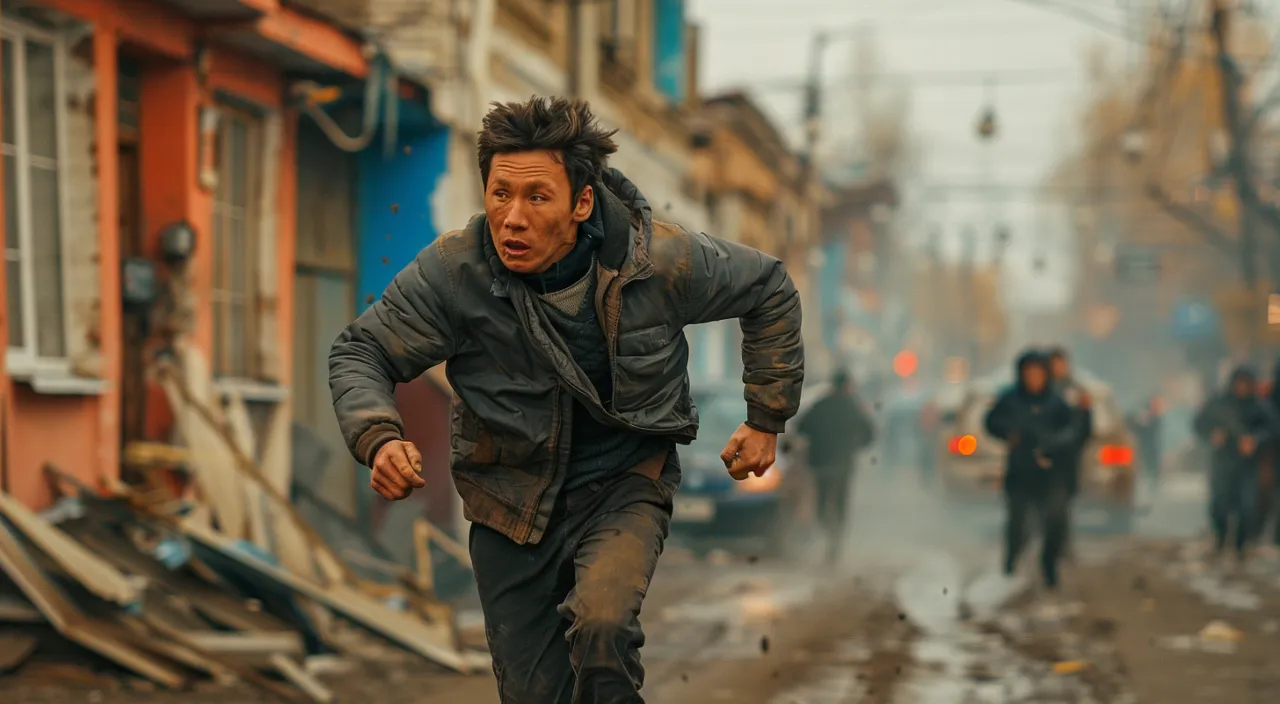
(813, 101)
(575, 49)
(972, 328)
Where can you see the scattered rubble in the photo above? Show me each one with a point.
(208, 582)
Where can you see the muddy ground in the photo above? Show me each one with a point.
(914, 614)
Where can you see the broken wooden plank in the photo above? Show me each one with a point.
(15, 609)
(210, 458)
(426, 579)
(198, 414)
(301, 679)
(223, 667)
(216, 605)
(435, 642)
(15, 648)
(244, 643)
(451, 546)
(149, 454)
(103, 637)
(240, 429)
(91, 571)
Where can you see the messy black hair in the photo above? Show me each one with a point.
(563, 125)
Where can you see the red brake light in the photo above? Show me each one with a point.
(962, 445)
(1115, 455)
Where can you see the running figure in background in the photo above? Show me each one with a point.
(837, 428)
(1236, 424)
(1039, 429)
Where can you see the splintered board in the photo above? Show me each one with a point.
(103, 637)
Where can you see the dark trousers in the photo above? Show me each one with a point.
(561, 616)
(1052, 505)
(832, 487)
(1233, 494)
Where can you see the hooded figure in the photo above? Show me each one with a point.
(1236, 423)
(1037, 425)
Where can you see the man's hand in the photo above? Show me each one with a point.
(397, 470)
(749, 450)
(1248, 444)
(1218, 437)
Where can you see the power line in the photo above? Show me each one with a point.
(918, 78)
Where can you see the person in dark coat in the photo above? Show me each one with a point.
(1145, 426)
(1081, 405)
(1236, 424)
(837, 427)
(1271, 464)
(1039, 428)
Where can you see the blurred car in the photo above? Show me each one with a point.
(973, 462)
(712, 509)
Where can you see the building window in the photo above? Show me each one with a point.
(33, 150)
(237, 152)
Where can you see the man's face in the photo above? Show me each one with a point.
(533, 213)
(1034, 378)
(1059, 367)
(1242, 388)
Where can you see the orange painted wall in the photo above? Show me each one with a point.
(6, 401)
(58, 430)
(80, 434)
(77, 434)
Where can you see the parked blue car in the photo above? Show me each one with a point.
(713, 510)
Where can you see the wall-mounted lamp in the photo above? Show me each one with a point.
(177, 243)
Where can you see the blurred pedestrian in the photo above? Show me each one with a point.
(1081, 404)
(1235, 423)
(1269, 479)
(1039, 428)
(1145, 424)
(837, 427)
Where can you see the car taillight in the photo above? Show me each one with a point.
(962, 445)
(1115, 455)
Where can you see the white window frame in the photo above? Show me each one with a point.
(25, 361)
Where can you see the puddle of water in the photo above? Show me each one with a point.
(1217, 591)
(728, 621)
(991, 591)
(930, 592)
(757, 601)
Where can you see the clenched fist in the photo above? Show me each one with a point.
(749, 451)
(397, 470)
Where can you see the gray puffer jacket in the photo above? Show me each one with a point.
(513, 378)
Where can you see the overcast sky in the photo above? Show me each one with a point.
(944, 48)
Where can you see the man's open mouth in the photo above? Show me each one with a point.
(515, 246)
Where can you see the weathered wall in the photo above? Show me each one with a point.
(54, 429)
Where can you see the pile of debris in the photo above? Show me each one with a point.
(219, 580)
